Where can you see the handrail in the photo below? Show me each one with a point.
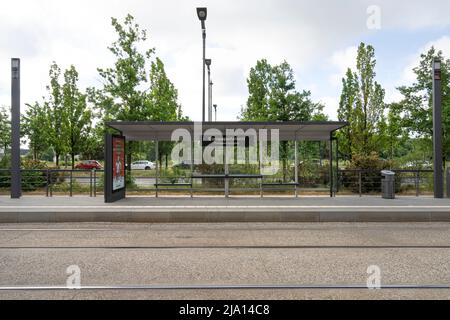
(355, 181)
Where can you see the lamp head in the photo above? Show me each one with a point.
(15, 65)
(201, 13)
(437, 64)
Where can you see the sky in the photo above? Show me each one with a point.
(317, 38)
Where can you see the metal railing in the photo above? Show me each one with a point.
(55, 181)
(70, 182)
(362, 182)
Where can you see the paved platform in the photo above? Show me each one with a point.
(279, 260)
(219, 209)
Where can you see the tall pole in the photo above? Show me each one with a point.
(16, 190)
(203, 62)
(210, 100)
(331, 166)
(296, 165)
(201, 14)
(437, 130)
(156, 167)
(209, 95)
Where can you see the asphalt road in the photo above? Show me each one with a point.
(134, 258)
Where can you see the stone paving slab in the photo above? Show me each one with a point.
(82, 201)
(219, 209)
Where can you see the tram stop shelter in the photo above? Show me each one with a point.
(115, 150)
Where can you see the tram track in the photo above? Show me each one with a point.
(296, 247)
(230, 287)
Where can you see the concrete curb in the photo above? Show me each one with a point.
(173, 214)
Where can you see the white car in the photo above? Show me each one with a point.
(143, 165)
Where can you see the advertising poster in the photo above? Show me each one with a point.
(118, 153)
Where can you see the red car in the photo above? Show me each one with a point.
(89, 165)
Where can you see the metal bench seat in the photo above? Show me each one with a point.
(276, 186)
(174, 184)
(281, 184)
(230, 176)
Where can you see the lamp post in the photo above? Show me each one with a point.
(437, 130)
(201, 13)
(215, 112)
(208, 65)
(16, 190)
(210, 100)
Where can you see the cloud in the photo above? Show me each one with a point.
(331, 106)
(408, 76)
(342, 60)
(304, 33)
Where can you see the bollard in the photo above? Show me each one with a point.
(90, 183)
(417, 182)
(48, 182)
(448, 182)
(360, 183)
(71, 180)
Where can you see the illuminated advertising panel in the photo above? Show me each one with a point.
(118, 157)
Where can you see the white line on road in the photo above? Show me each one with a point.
(223, 287)
(222, 207)
(54, 229)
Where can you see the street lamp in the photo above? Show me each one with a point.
(201, 13)
(16, 189)
(437, 64)
(437, 130)
(208, 65)
(210, 100)
(15, 65)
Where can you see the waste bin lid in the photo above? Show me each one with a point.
(387, 173)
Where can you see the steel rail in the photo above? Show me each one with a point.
(226, 287)
(306, 247)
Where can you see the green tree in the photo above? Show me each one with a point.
(77, 116)
(259, 85)
(362, 105)
(416, 106)
(34, 128)
(393, 135)
(162, 100)
(348, 105)
(93, 146)
(5, 130)
(55, 114)
(273, 97)
(122, 96)
(131, 91)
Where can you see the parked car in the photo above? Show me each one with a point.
(89, 165)
(420, 164)
(143, 165)
(184, 164)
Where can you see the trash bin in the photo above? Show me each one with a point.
(388, 184)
